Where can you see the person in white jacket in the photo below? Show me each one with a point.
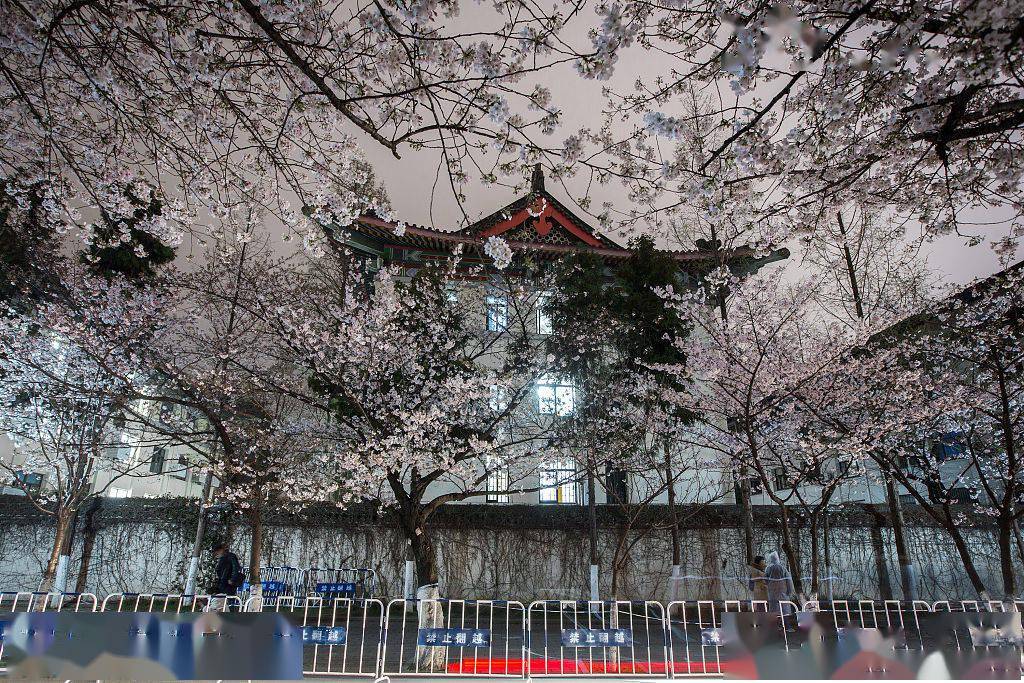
(780, 583)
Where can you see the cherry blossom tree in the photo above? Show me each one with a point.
(910, 110)
(233, 115)
(428, 406)
(223, 362)
(65, 404)
(747, 370)
(969, 353)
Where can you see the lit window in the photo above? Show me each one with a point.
(498, 399)
(555, 396)
(497, 313)
(543, 319)
(558, 483)
(497, 485)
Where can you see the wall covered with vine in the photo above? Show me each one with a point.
(516, 552)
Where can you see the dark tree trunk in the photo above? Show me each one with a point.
(60, 536)
(748, 517)
(964, 551)
(899, 537)
(881, 566)
(256, 545)
(677, 553)
(1006, 557)
(791, 551)
(592, 510)
(424, 555)
(815, 555)
(89, 531)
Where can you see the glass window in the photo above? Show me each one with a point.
(181, 471)
(156, 464)
(558, 483)
(950, 446)
(497, 485)
(543, 320)
(497, 313)
(498, 400)
(30, 482)
(555, 396)
(780, 481)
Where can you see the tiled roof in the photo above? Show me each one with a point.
(419, 237)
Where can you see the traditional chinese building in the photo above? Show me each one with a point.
(537, 227)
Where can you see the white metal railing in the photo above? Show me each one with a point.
(352, 637)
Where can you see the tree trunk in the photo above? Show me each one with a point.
(256, 545)
(50, 571)
(592, 519)
(792, 553)
(1006, 557)
(964, 551)
(677, 552)
(899, 538)
(748, 516)
(89, 531)
(815, 555)
(424, 555)
(881, 566)
(1020, 541)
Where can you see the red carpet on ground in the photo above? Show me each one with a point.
(539, 665)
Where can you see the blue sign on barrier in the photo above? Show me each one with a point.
(331, 588)
(712, 637)
(597, 637)
(454, 637)
(268, 586)
(316, 635)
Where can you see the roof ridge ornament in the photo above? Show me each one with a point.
(537, 179)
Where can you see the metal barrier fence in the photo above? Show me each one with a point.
(24, 601)
(276, 581)
(353, 651)
(597, 638)
(355, 637)
(459, 637)
(341, 582)
(169, 602)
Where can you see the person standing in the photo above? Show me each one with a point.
(228, 571)
(779, 582)
(757, 585)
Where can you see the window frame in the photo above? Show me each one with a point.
(563, 392)
(159, 456)
(541, 315)
(496, 314)
(561, 489)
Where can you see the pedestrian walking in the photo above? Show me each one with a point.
(229, 572)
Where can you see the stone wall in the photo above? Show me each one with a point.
(514, 552)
